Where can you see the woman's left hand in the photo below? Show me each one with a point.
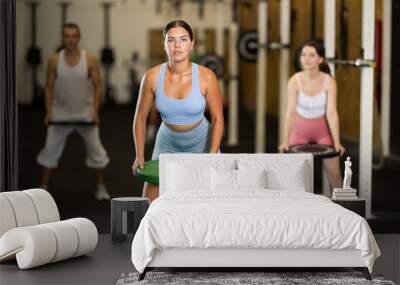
(340, 148)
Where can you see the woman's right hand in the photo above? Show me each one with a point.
(283, 146)
(139, 162)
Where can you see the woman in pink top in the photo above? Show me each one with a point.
(311, 115)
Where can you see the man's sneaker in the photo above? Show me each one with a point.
(101, 193)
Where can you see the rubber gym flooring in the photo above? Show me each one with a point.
(72, 184)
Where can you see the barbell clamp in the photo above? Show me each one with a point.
(277, 45)
(273, 45)
(359, 62)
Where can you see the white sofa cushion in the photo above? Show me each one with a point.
(23, 208)
(32, 246)
(7, 218)
(26, 208)
(87, 233)
(40, 244)
(45, 205)
(67, 238)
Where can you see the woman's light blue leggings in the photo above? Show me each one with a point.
(196, 140)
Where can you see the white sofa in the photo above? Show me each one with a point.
(219, 211)
(31, 231)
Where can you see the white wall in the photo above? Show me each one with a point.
(130, 22)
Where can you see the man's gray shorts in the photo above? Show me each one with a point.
(96, 155)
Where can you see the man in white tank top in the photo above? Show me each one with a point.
(73, 96)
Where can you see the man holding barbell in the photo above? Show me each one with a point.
(72, 98)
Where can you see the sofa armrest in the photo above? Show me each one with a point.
(26, 208)
(40, 244)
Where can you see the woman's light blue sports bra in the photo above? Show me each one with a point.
(184, 111)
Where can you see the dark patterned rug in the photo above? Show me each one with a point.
(243, 278)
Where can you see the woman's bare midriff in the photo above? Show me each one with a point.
(183, 128)
(316, 118)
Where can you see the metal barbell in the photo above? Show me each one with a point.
(354, 63)
(248, 45)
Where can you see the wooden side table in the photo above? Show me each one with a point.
(119, 209)
(356, 205)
